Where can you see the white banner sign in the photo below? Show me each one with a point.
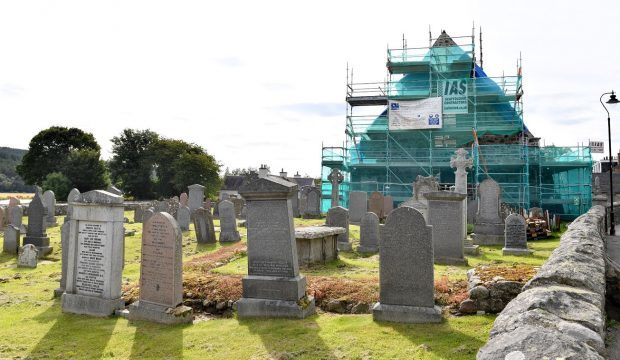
(415, 114)
(597, 146)
(454, 94)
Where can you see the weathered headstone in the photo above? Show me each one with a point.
(375, 204)
(203, 225)
(228, 222)
(274, 287)
(310, 202)
(161, 273)
(183, 218)
(16, 214)
(446, 216)
(183, 199)
(516, 236)
(13, 201)
(3, 217)
(421, 186)
(369, 233)
(138, 214)
(196, 196)
(339, 217)
(27, 257)
(65, 231)
(335, 178)
(388, 205)
(74, 194)
(358, 206)
(536, 213)
(406, 274)
(295, 203)
(96, 253)
(461, 163)
(472, 209)
(489, 227)
(224, 196)
(147, 214)
(36, 233)
(11, 240)
(173, 206)
(49, 199)
(238, 205)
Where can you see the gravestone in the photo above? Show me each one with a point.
(114, 190)
(224, 196)
(3, 217)
(65, 231)
(161, 206)
(461, 163)
(295, 203)
(16, 214)
(273, 287)
(388, 205)
(228, 222)
(173, 206)
(536, 213)
(203, 226)
(369, 233)
(36, 232)
(196, 196)
(11, 240)
(238, 205)
(147, 214)
(339, 217)
(375, 204)
(96, 255)
(183, 199)
(161, 273)
(303, 200)
(207, 204)
(13, 201)
(312, 202)
(27, 257)
(516, 236)
(597, 185)
(489, 227)
(406, 275)
(472, 209)
(138, 214)
(358, 206)
(183, 218)
(446, 216)
(421, 186)
(49, 199)
(335, 178)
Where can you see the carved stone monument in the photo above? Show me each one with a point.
(375, 204)
(36, 233)
(339, 217)
(335, 178)
(96, 254)
(516, 236)
(28, 256)
(310, 202)
(274, 286)
(65, 231)
(421, 186)
(358, 206)
(11, 240)
(489, 227)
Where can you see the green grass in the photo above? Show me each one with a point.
(32, 325)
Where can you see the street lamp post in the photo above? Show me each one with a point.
(612, 100)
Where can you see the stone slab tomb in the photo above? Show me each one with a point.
(317, 244)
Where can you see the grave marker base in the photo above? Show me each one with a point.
(406, 314)
(367, 249)
(142, 310)
(90, 305)
(344, 246)
(514, 251)
(450, 261)
(248, 307)
(230, 237)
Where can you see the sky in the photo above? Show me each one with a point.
(264, 82)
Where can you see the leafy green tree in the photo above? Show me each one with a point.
(197, 169)
(165, 154)
(131, 166)
(49, 151)
(58, 183)
(86, 170)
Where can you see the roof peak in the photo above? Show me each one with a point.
(444, 40)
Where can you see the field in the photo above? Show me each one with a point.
(5, 196)
(32, 325)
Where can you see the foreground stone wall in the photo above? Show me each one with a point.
(561, 311)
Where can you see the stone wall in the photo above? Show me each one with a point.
(490, 296)
(61, 208)
(561, 311)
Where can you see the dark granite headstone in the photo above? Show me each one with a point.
(203, 226)
(339, 217)
(515, 230)
(446, 215)
(489, 227)
(11, 240)
(36, 233)
(369, 233)
(273, 287)
(406, 273)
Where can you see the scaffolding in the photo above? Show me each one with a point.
(377, 158)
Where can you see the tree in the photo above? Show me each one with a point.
(58, 183)
(197, 169)
(165, 154)
(131, 166)
(243, 171)
(86, 170)
(49, 151)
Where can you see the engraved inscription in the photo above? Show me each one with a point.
(91, 265)
(157, 264)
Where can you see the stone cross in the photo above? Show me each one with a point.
(461, 162)
(335, 178)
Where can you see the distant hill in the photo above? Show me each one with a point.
(9, 180)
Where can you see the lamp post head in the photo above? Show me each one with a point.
(612, 99)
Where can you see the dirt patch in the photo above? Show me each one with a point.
(521, 273)
(215, 259)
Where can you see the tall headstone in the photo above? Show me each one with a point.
(183, 199)
(335, 178)
(388, 205)
(11, 240)
(203, 225)
(138, 213)
(472, 209)
(516, 236)
(421, 186)
(406, 274)
(274, 287)
(27, 257)
(147, 214)
(161, 273)
(228, 222)
(446, 216)
(3, 217)
(311, 198)
(295, 203)
(196, 196)
(358, 206)
(183, 218)
(49, 199)
(36, 233)
(65, 231)
(489, 227)
(95, 257)
(375, 204)
(369, 233)
(16, 214)
(339, 217)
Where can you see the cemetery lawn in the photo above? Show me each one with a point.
(33, 326)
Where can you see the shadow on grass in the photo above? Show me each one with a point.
(153, 340)
(94, 334)
(277, 334)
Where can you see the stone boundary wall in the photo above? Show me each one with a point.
(61, 208)
(561, 311)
